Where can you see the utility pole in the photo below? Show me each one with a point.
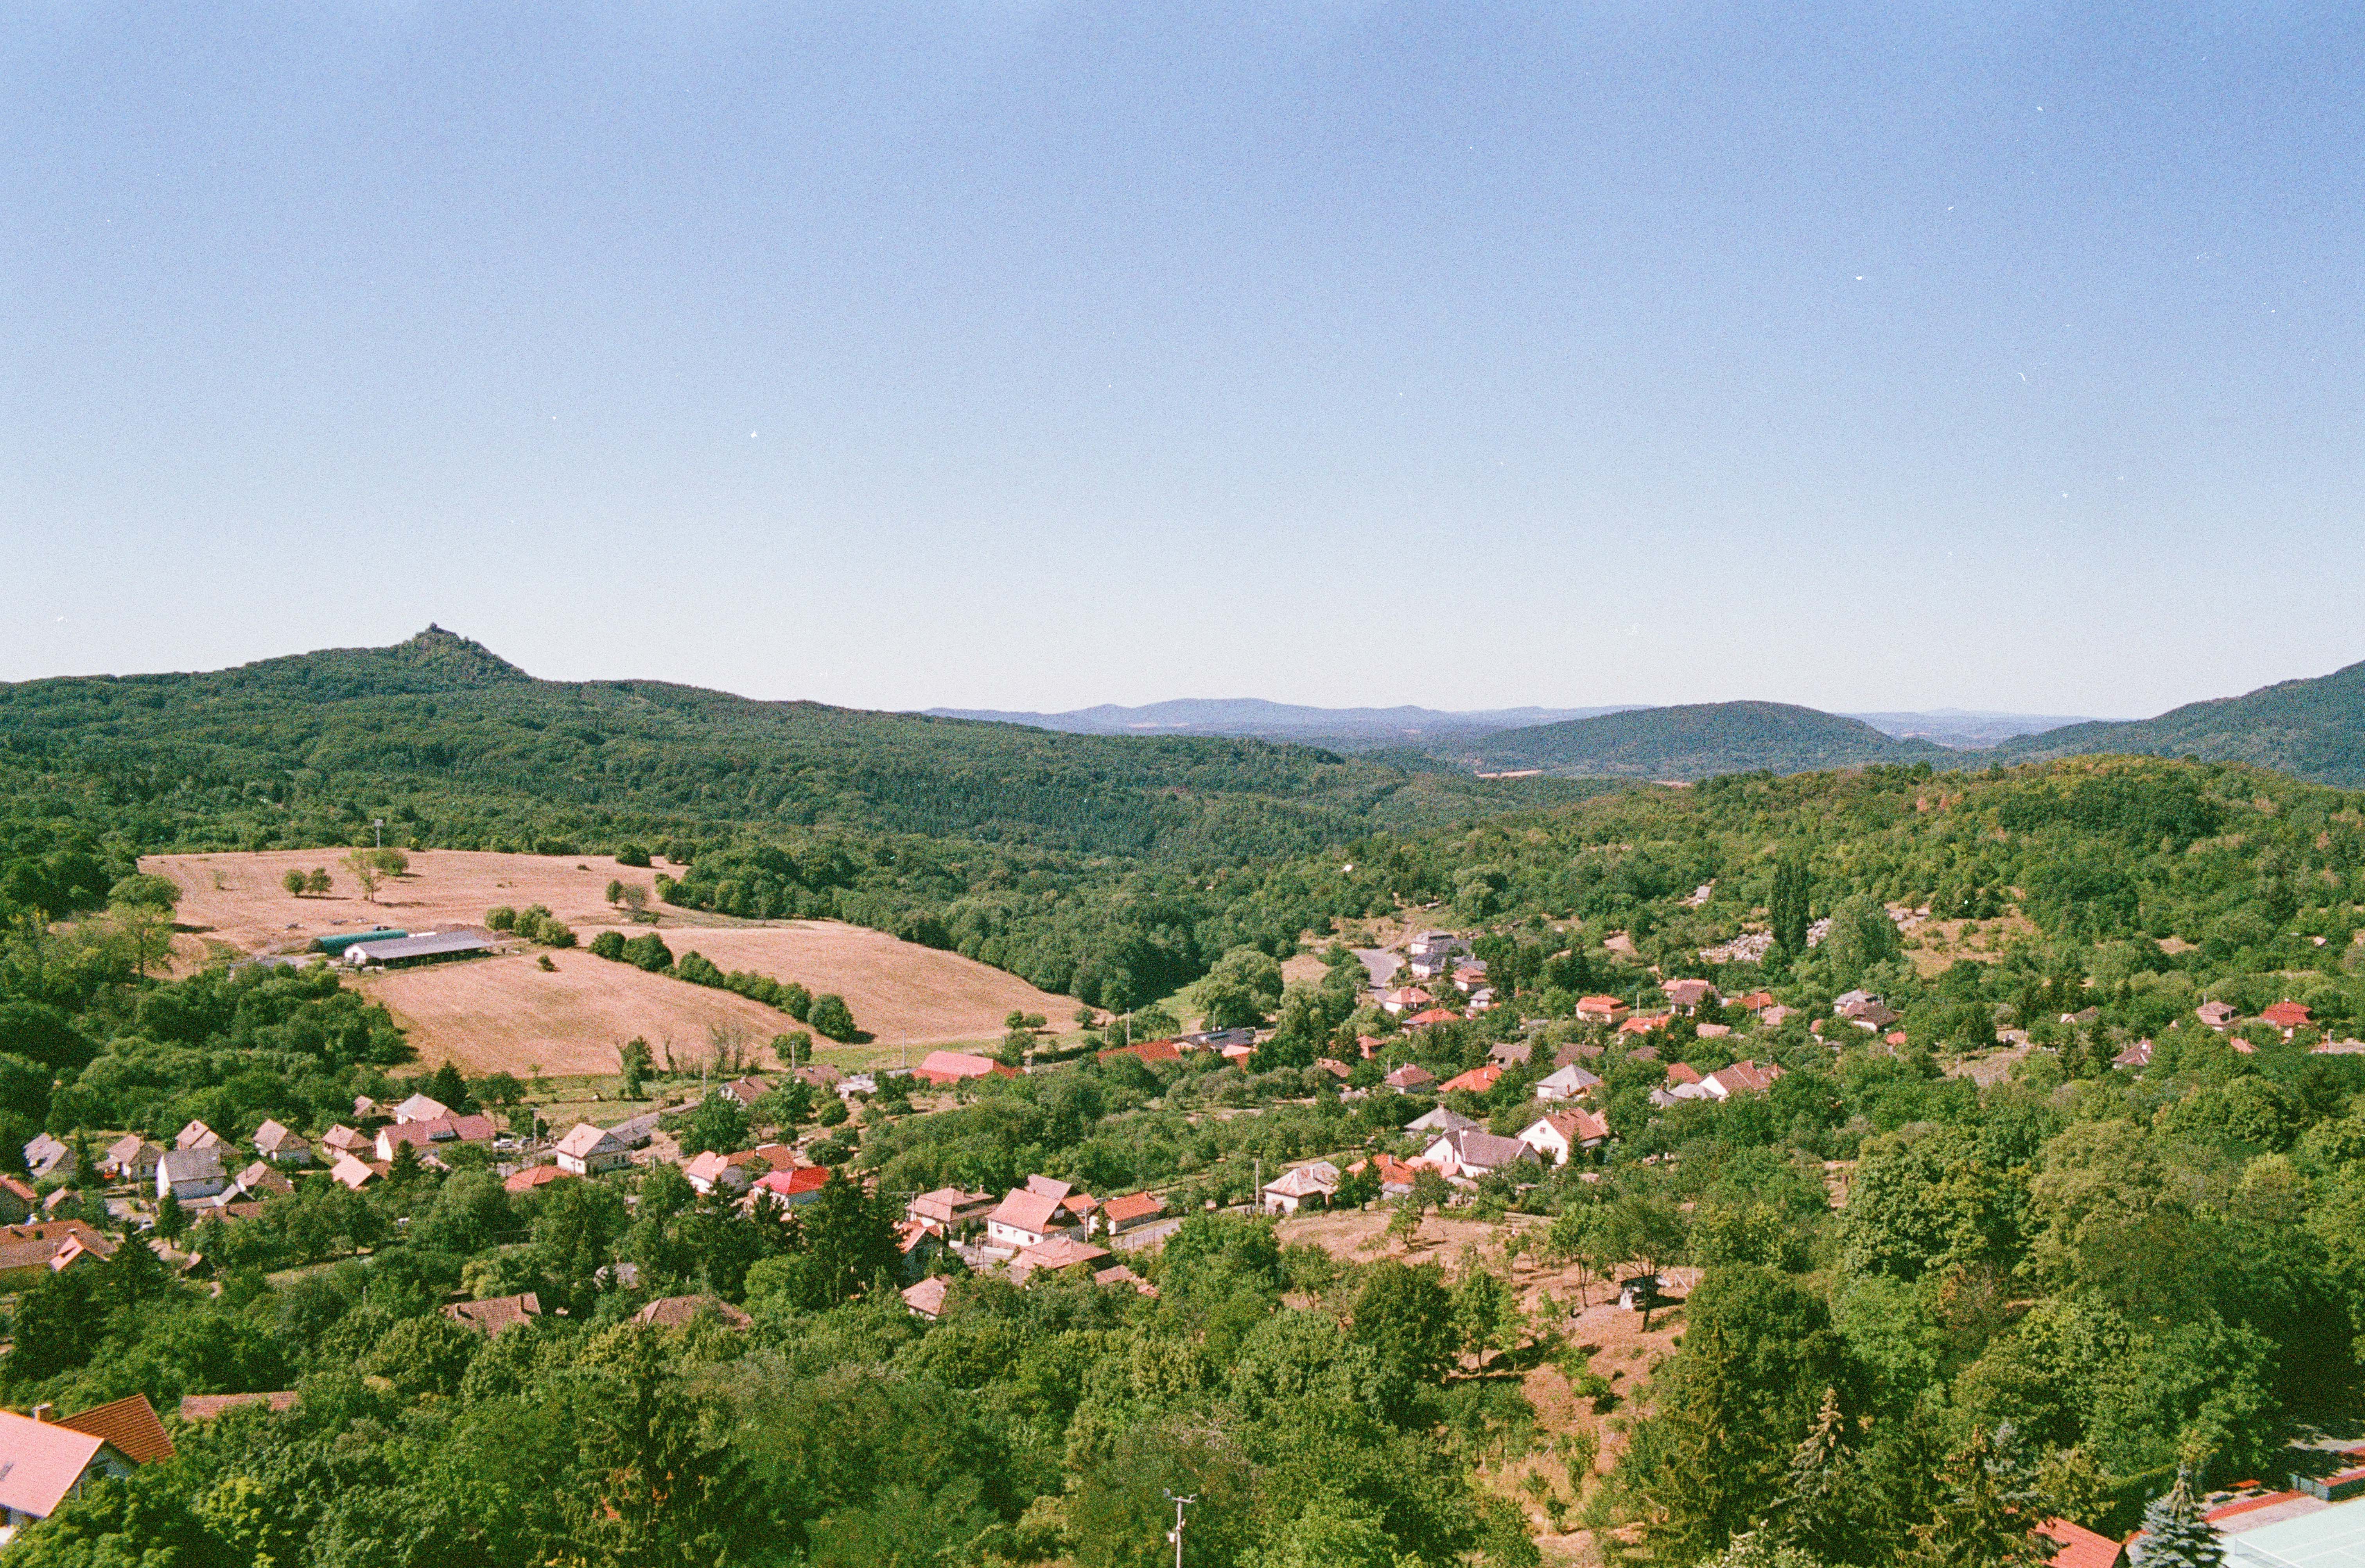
(379, 823)
(1176, 1536)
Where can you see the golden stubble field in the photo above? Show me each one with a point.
(506, 1014)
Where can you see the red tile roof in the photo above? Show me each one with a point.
(794, 1184)
(1133, 1207)
(950, 1067)
(1477, 1081)
(680, 1311)
(205, 1406)
(1682, 1072)
(1146, 1050)
(1034, 1212)
(2080, 1547)
(128, 1425)
(1433, 1016)
(536, 1176)
(2287, 1016)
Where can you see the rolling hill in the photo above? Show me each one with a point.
(1698, 741)
(2313, 729)
(454, 747)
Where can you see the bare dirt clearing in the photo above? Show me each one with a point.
(504, 1013)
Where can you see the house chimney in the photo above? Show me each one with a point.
(45, 1411)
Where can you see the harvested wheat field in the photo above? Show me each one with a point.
(506, 1014)
(237, 898)
(900, 994)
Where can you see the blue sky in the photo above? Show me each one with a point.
(1035, 355)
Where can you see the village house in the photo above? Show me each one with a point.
(1430, 1018)
(1302, 1184)
(681, 1311)
(1511, 1053)
(281, 1144)
(711, 1169)
(944, 1069)
(1441, 1119)
(260, 1180)
(746, 1091)
(1144, 1052)
(1642, 1024)
(46, 1157)
(342, 1139)
(950, 1210)
(2075, 1546)
(1404, 999)
(2136, 1056)
(421, 1108)
(533, 1178)
(1052, 1254)
(2218, 1015)
(189, 1174)
(1604, 1010)
(926, 1299)
(44, 1461)
(1562, 1133)
(1477, 1081)
(438, 1132)
(1410, 1077)
(196, 1135)
(31, 1252)
(1742, 1077)
(1128, 1213)
(131, 1159)
(1396, 1176)
(1569, 1083)
(1027, 1217)
(586, 1150)
(791, 1189)
(1688, 995)
(17, 1201)
(2288, 1017)
(1472, 1152)
(352, 1173)
(1469, 975)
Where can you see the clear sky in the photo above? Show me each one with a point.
(1033, 355)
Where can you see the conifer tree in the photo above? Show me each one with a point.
(1814, 1514)
(1985, 1519)
(2175, 1534)
(1787, 906)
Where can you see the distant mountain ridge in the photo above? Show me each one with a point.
(1254, 718)
(1698, 740)
(2312, 728)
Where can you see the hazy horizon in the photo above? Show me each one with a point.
(1032, 358)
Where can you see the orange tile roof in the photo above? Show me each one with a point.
(1477, 1081)
(2080, 1547)
(205, 1406)
(128, 1425)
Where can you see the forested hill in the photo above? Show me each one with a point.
(1698, 741)
(2312, 729)
(456, 748)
